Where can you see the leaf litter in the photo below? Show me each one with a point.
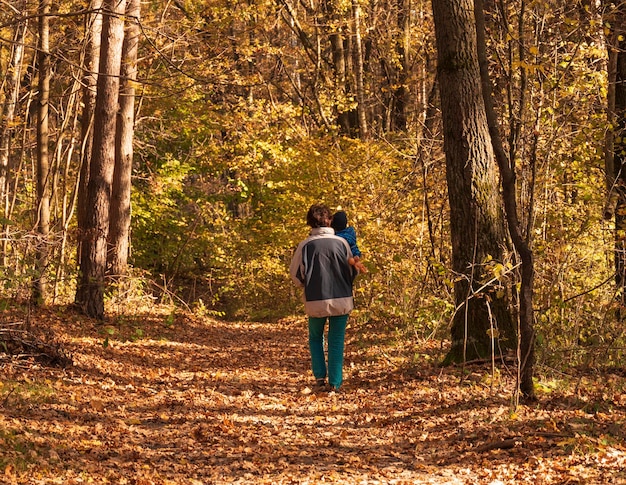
(201, 401)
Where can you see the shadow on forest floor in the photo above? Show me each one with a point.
(169, 398)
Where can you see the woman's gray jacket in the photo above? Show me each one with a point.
(320, 266)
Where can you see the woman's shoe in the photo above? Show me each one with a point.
(320, 385)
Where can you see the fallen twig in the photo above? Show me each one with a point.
(19, 343)
(499, 445)
(509, 443)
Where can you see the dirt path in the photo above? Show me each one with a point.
(207, 402)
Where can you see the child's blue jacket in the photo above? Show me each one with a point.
(349, 234)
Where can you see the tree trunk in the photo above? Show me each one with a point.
(526, 357)
(359, 71)
(93, 29)
(43, 162)
(90, 291)
(69, 185)
(346, 115)
(609, 156)
(401, 92)
(12, 87)
(617, 74)
(7, 128)
(119, 228)
(482, 323)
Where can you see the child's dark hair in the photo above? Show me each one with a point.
(318, 216)
(340, 221)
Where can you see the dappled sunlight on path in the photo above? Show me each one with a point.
(200, 401)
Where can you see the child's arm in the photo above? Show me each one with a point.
(356, 262)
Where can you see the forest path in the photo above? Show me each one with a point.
(200, 401)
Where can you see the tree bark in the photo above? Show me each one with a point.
(43, 162)
(617, 96)
(119, 228)
(93, 29)
(526, 357)
(482, 323)
(12, 87)
(359, 71)
(7, 127)
(401, 92)
(90, 291)
(346, 115)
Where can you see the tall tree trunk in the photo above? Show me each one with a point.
(526, 355)
(93, 29)
(401, 92)
(609, 156)
(251, 63)
(43, 162)
(90, 291)
(482, 323)
(359, 71)
(12, 87)
(345, 115)
(68, 187)
(119, 227)
(616, 164)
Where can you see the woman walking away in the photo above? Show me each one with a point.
(320, 266)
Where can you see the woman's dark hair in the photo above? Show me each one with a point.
(318, 216)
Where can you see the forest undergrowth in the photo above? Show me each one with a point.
(166, 397)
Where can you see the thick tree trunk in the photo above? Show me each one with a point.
(43, 162)
(482, 323)
(619, 175)
(615, 144)
(93, 29)
(119, 228)
(90, 291)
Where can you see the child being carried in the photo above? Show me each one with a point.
(340, 225)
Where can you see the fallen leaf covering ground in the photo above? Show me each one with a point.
(177, 399)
